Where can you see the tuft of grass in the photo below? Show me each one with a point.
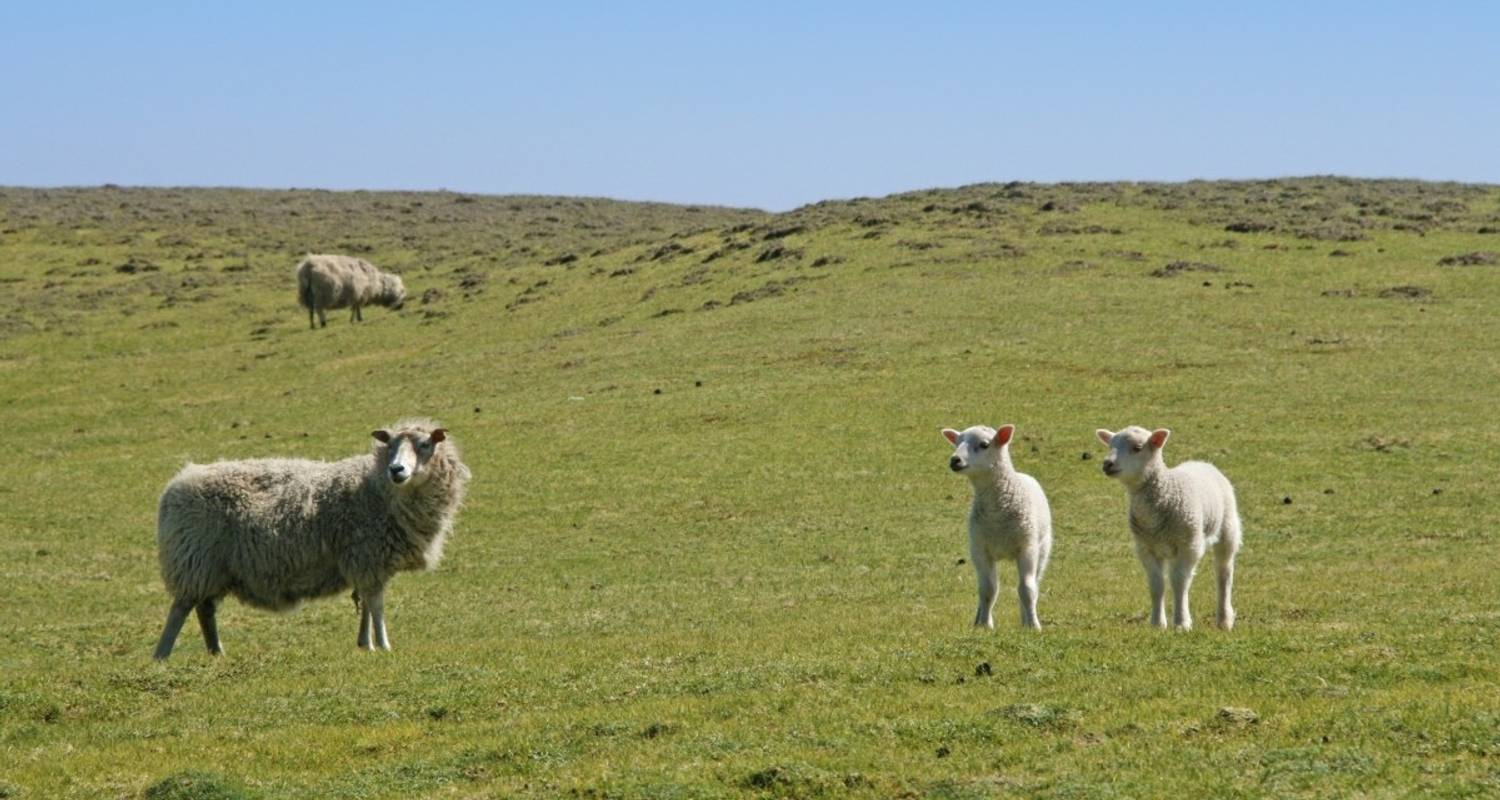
(196, 785)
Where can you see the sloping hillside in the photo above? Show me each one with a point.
(712, 547)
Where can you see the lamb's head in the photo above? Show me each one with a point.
(412, 452)
(392, 291)
(978, 449)
(1132, 451)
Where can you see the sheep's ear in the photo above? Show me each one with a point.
(438, 435)
(384, 437)
(1105, 436)
(951, 435)
(1159, 438)
(1002, 436)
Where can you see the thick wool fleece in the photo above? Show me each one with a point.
(330, 281)
(274, 532)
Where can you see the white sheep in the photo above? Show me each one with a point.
(1009, 519)
(327, 281)
(275, 532)
(1175, 516)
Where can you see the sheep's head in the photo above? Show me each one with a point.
(392, 291)
(978, 449)
(408, 451)
(1132, 451)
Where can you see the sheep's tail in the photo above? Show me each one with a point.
(304, 286)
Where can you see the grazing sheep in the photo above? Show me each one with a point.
(325, 282)
(275, 532)
(1175, 516)
(1009, 519)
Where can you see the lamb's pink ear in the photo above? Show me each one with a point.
(1104, 435)
(438, 434)
(1002, 436)
(1159, 438)
(951, 435)
(384, 437)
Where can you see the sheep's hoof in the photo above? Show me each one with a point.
(1227, 623)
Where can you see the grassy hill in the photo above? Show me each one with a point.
(712, 547)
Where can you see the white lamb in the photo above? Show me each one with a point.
(1175, 516)
(1009, 519)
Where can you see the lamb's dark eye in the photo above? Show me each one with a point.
(1135, 448)
(984, 445)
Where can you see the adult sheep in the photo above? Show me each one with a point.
(327, 281)
(275, 532)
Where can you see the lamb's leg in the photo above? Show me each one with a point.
(354, 316)
(1028, 570)
(210, 626)
(1224, 553)
(310, 323)
(1157, 582)
(322, 317)
(989, 587)
(1182, 579)
(175, 617)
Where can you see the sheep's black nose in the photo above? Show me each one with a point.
(955, 463)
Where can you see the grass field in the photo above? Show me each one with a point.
(712, 547)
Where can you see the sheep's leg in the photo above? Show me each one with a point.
(364, 621)
(1224, 553)
(1157, 582)
(989, 587)
(355, 315)
(372, 623)
(1028, 570)
(1182, 580)
(175, 617)
(310, 323)
(322, 317)
(210, 626)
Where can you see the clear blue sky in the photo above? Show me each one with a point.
(766, 104)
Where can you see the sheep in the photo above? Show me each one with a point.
(275, 532)
(1175, 516)
(327, 281)
(1009, 518)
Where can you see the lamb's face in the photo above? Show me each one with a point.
(407, 453)
(1131, 451)
(978, 448)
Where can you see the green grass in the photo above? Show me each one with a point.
(712, 547)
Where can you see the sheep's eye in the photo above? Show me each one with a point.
(984, 445)
(1135, 448)
(426, 445)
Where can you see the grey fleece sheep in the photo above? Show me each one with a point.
(275, 532)
(326, 281)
